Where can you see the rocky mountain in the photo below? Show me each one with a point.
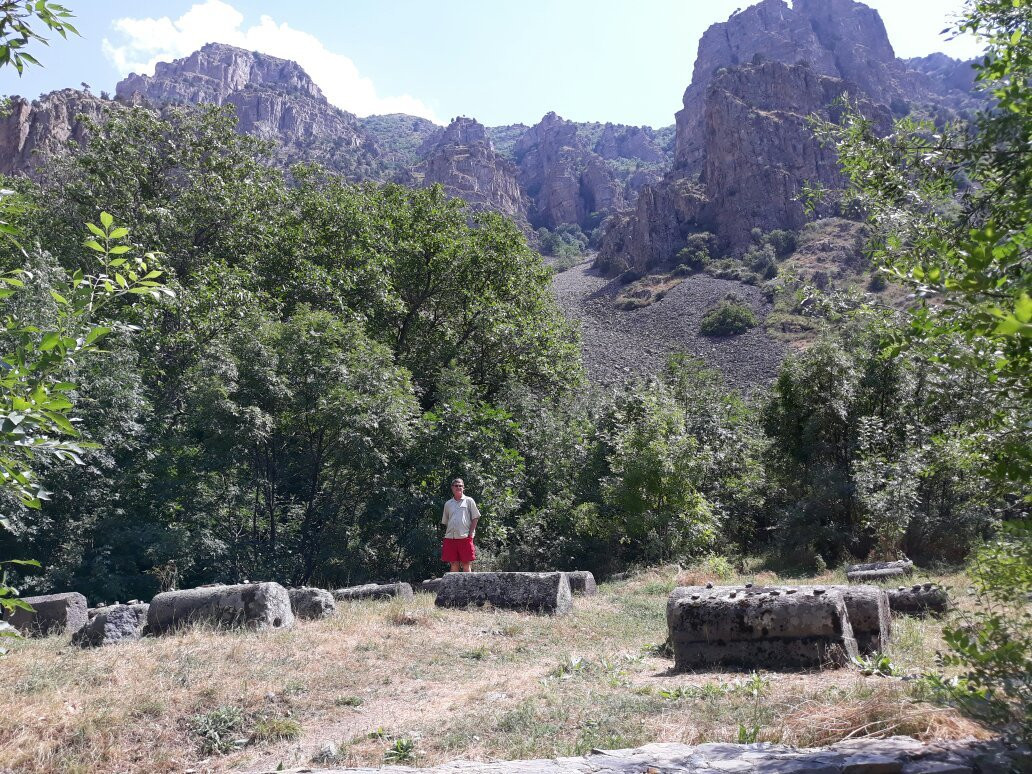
(274, 99)
(31, 131)
(462, 159)
(743, 149)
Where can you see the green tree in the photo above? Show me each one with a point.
(20, 22)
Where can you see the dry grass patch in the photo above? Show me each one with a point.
(405, 682)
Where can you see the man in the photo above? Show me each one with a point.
(461, 515)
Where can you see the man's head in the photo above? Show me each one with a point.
(458, 487)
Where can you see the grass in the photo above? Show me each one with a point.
(402, 681)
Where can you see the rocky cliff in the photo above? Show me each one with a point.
(274, 99)
(462, 159)
(31, 131)
(742, 131)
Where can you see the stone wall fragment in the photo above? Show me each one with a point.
(251, 605)
(539, 592)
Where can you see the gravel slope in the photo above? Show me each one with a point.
(618, 344)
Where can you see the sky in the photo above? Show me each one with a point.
(625, 61)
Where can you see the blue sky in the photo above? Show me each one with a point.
(501, 62)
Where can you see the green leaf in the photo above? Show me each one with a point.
(58, 297)
(93, 244)
(1023, 308)
(106, 219)
(50, 341)
(97, 230)
(119, 232)
(98, 332)
(119, 249)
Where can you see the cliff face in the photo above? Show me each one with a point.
(274, 99)
(838, 38)
(759, 149)
(462, 159)
(31, 131)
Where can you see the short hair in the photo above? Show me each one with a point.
(458, 481)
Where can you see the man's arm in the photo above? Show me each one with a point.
(474, 513)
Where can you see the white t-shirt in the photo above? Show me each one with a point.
(459, 515)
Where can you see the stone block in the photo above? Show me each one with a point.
(430, 585)
(373, 591)
(919, 600)
(311, 603)
(250, 605)
(766, 628)
(116, 623)
(51, 614)
(875, 571)
(582, 582)
(539, 592)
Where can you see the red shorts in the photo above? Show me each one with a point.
(458, 550)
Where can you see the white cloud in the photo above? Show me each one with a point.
(152, 40)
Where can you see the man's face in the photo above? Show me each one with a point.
(457, 489)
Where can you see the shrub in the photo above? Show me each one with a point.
(217, 730)
(728, 318)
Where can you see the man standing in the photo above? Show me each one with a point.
(461, 515)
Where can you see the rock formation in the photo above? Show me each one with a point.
(31, 131)
(462, 159)
(274, 99)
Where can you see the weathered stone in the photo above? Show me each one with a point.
(867, 606)
(250, 605)
(582, 582)
(51, 614)
(904, 564)
(757, 628)
(867, 576)
(539, 592)
(867, 756)
(926, 599)
(430, 585)
(310, 603)
(373, 591)
(112, 624)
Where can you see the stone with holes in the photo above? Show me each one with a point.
(919, 600)
(246, 605)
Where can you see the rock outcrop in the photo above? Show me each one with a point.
(32, 131)
(462, 159)
(274, 99)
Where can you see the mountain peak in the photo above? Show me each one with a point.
(217, 70)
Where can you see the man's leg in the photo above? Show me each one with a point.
(467, 566)
(455, 567)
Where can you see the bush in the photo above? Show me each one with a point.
(728, 318)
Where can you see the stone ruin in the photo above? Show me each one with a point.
(874, 571)
(310, 603)
(538, 592)
(773, 628)
(373, 591)
(919, 600)
(252, 605)
(582, 582)
(50, 614)
(111, 624)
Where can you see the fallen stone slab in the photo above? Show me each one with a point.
(310, 603)
(246, 605)
(876, 571)
(872, 576)
(430, 585)
(919, 600)
(538, 592)
(895, 755)
(373, 591)
(867, 606)
(115, 623)
(50, 614)
(759, 628)
(582, 582)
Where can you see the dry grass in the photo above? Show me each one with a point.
(404, 678)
